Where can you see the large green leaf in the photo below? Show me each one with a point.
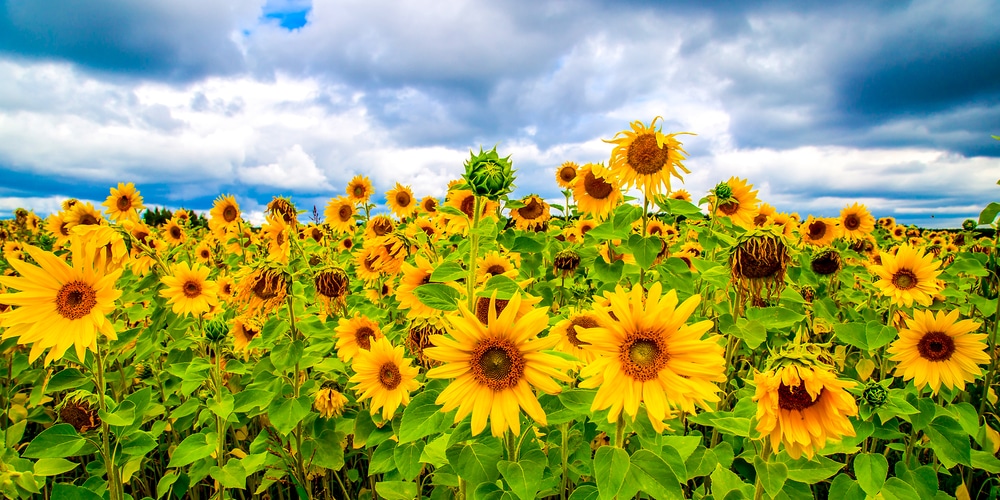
(232, 475)
(58, 441)
(771, 474)
(448, 271)
(438, 296)
(524, 476)
(808, 471)
(194, 447)
(654, 475)
(949, 441)
(407, 459)
(476, 461)
(53, 466)
(285, 414)
(396, 490)
(611, 465)
(871, 470)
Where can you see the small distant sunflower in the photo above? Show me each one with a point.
(908, 276)
(414, 276)
(428, 226)
(494, 366)
(428, 205)
(379, 225)
(494, 264)
(203, 253)
(225, 212)
(898, 232)
(646, 353)
(384, 375)
(244, 329)
(819, 232)
(595, 194)
(173, 233)
(339, 215)
(856, 222)
(57, 225)
(681, 194)
(534, 213)
(566, 174)
(401, 202)
(939, 350)
(124, 203)
(59, 306)
(765, 215)
(345, 244)
(736, 200)
(887, 223)
(360, 189)
(465, 201)
(82, 214)
(803, 408)
(189, 291)
(224, 284)
(355, 334)
(568, 330)
(584, 225)
(645, 157)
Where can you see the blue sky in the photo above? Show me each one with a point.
(818, 104)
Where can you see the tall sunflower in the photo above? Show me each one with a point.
(401, 202)
(938, 350)
(173, 232)
(355, 334)
(276, 231)
(360, 189)
(339, 215)
(596, 194)
(736, 200)
(59, 305)
(495, 366)
(645, 157)
(225, 213)
(803, 407)
(124, 203)
(647, 354)
(189, 291)
(566, 174)
(856, 222)
(908, 276)
(385, 376)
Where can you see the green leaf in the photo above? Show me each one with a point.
(286, 354)
(194, 447)
(527, 244)
(644, 250)
(871, 470)
(986, 461)
(138, 443)
(989, 213)
(448, 271)
(382, 458)
(249, 399)
(422, 417)
(897, 489)
(165, 482)
(845, 487)
(504, 287)
(124, 416)
(64, 491)
(967, 416)
(525, 476)
(53, 466)
(807, 471)
(585, 492)
(285, 414)
(771, 474)
(407, 459)
(751, 332)
(438, 296)
(70, 378)
(329, 449)
(607, 273)
(701, 463)
(969, 263)
(949, 441)
(654, 475)
(396, 490)
(476, 461)
(223, 408)
(58, 441)
(15, 432)
(725, 481)
(878, 335)
(776, 318)
(611, 465)
(232, 475)
(854, 334)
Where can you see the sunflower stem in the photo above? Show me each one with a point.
(620, 432)
(511, 440)
(470, 281)
(220, 422)
(765, 453)
(992, 345)
(645, 217)
(564, 452)
(299, 461)
(566, 208)
(115, 489)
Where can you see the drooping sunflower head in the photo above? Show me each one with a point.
(758, 263)
(329, 402)
(332, 287)
(596, 194)
(938, 350)
(647, 158)
(275, 231)
(566, 174)
(826, 263)
(354, 334)
(908, 276)
(359, 189)
(261, 289)
(566, 262)
(856, 222)
(124, 202)
(283, 207)
(378, 226)
(533, 213)
(244, 329)
(401, 201)
(418, 338)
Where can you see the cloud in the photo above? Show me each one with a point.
(294, 170)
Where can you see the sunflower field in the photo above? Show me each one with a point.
(483, 346)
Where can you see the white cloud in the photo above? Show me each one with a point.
(294, 170)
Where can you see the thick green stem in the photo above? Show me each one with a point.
(564, 451)
(470, 285)
(765, 453)
(645, 218)
(620, 432)
(115, 489)
(296, 389)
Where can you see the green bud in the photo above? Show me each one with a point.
(216, 331)
(968, 224)
(875, 394)
(723, 191)
(143, 371)
(489, 175)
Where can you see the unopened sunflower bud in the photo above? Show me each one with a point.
(143, 371)
(723, 191)
(875, 395)
(968, 224)
(216, 331)
(489, 175)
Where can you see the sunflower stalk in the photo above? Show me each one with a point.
(765, 453)
(470, 281)
(303, 478)
(115, 488)
(220, 422)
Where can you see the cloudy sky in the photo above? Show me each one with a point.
(818, 104)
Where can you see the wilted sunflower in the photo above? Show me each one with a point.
(59, 305)
(803, 407)
(355, 334)
(401, 202)
(495, 366)
(938, 350)
(908, 276)
(339, 215)
(819, 232)
(595, 194)
(189, 291)
(566, 174)
(384, 375)
(379, 225)
(283, 207)
(856, 222)
(225, 213)
(261, 289)
(647, 354)
(329, 403)
(826, 263)
(368, 262)
(332, 287)
(736, 200)
(534, 213)
(645, 157)
(758, 263)
(124, 203)
(360, 189)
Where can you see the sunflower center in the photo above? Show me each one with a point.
(347, 243)
(495, 269)
(266, 285)
(532, 210)
(229, 213)
(403, 199)
(430, 205)
(483, 308)
(363, 336)
(759, 220)
(497, 364)
(381, 227)
(191, 289)
(359, 191)
(597, 187)
(75, 300)
(729, 207)
(827, 263)
(389, 376)
(88, 220)
(645, 156)
(345, 213)
(643, 355)
(796, 398)
(175, 232)
(936, 346)
(654, 230)
(280, 238)
(904, 279)
(64, 229)
(316, 234)
(816, 230)
(205, 254)
(468, 205)
(567, 174)
(124, 203)
(852, 222)
(583, 322)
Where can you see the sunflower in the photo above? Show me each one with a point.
(568, 330)
(332, 287)
(329, 403)
(283, 207)
(765, 215)
(355, 334)
(819, 232)
(494, 264)
(566, 174)
(82, 214)
(681, 194)
(465, 201)
(484, 300)
(225, 286)
(261, 289)
(898, 232)
(533, 215)
(367, 263)
(428, 226)
(13, 250)
(887, 223)
(360, 189)
(110, 251)
(379, 225)
(646, 354)
(596, 194)
(124, 203)
(245, 329)
(276, 232)
(495, 366)
(584, 225)
(345, 244)
(736, 200)
(803, 408)
(856, 222)
(908, 276)
(225, 213)
(203, 253)
(59, 305)
(401, 202)
(414, 276)
(385, 376)
(938, 350)
(428, 205)
(56, 224)
(339, 215)
(173, 233)
(189, 290)
(645, 157)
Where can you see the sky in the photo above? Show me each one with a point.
(818, 104)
